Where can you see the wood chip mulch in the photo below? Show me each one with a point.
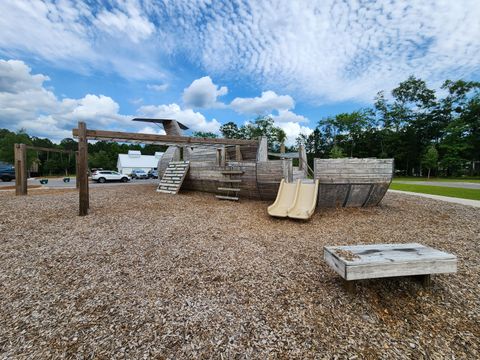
(149, 275)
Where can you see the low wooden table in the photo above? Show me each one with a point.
(388, 260)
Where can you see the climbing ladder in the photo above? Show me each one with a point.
(232, 183)
(173, 177)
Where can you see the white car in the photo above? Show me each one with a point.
(102, 176)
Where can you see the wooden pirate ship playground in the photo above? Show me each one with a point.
(236, 168)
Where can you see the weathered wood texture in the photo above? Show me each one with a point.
(39, 148)
(269, 175)
(171, 154)
(83, 170)
(388, 260)
(160, 139)
(352, 182)
(256, 181)
(262, 152)
(20, 154)
(173, 177)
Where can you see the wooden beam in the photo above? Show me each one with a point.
(82, 175)
(39, 148)
(159, 139)
(20, 152)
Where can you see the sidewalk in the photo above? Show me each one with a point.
(475, 203)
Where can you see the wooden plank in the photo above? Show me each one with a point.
(159, 139)
(228, 189)
(388, 260)
(230, 180)
(232, 172)
(20, 155)
(223, 197)
(39, 148)
(82, 169)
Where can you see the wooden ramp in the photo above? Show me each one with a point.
(173, 177)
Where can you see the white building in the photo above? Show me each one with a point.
(134, 160)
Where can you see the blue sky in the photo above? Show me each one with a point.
(206, 63)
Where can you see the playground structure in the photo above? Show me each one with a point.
(231, 168)
(296, 200)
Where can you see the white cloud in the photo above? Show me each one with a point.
(203, 93)
(285, 116)
(293, 129)
(130, 23)
(26, 103)
(151, 130)
(267, 102)
(194, 120)
(157, 87)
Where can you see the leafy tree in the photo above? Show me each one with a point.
(430, 159)
(204, 134)
(7, 143)
(337, 152)
(230, 130)
(262, 126)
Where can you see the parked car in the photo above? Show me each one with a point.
(153, 174)
(139, 174)
(7, 172)
(102, 176)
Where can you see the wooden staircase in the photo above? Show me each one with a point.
(173, 177)
(231, 187)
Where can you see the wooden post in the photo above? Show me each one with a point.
(77, 180)
(238, 153)
(223, 156)
(282, 148)
(262, 152)
(82, 175)
(301, 165)
(20, 151)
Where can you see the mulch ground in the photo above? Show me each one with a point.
(149, 275)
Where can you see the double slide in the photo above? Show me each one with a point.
(295, 200)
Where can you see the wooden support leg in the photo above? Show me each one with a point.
(349, 286)
(425, 280)
(20, 151)
(82, 169)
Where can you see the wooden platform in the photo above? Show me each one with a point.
(388, 260)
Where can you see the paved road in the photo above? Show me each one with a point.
(469, 202)
(58, 183)
(463, 185)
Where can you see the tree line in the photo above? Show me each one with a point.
(101, 154)
(424, 131)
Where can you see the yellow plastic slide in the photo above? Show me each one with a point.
(295, 200)
(285, 198)
(305, 202)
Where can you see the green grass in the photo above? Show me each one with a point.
(413, 178)
(472, 194)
